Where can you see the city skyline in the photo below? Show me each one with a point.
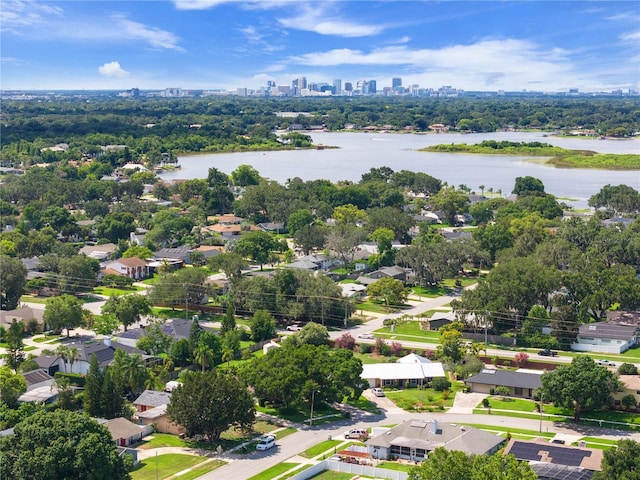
(221, 44)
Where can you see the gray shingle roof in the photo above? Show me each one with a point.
(153, 398)
(607, 330)
(507, 378)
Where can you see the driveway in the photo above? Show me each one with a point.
(466, 402)
(383, 403)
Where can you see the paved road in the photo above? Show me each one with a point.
(241, 467)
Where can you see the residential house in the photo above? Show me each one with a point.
(541, 451)
(176, 328)
(604, 337)
(395, 272)
(151, 410)
(209, 251)
(126, 433)
(24, 315)
(272, 227)
(414, 439)
(439, 320)
(151, 399)
(520, 384)
(133, 267)
(353, 290)
(104, 351)
(99, 252)
(39, 388)
(179, 255)
(410, 370)
(629, 385)
(314, 262)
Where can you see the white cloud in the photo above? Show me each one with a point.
(113, 69)
(22, 13)
(251, 34)
(630, 37)
(313, 19)
(155, 37)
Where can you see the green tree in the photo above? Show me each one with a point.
(137, 251)
(77, 273)
(155, 341)
(443, 464)
(203, 356)
(299, 219)
(201, 404)
(12, 385)
(64, 311)
(245, 175)
(451, 347)
(128, 309)
(230, 263)
(13, 278)
(388, 290)
(257, 246)
(116, 226)
(228, 321)
(93, 384)
(263, 326)
(501, 467)
(349, 214)
(451, 202)
(61, 444)
(129, 371)
(581, 386)
(15, 345)
(525, 186)
(105, 324)
(621, 462)
(312, 334)
(627, 369)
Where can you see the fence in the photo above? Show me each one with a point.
(495, 339)
(351, 468)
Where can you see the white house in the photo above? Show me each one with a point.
(411, 370)
(604, 337)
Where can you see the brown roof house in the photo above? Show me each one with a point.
(414, 439)
(520, 384)
(126, 433)
(151, 410)
(133, 267)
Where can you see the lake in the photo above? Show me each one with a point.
(358, 152)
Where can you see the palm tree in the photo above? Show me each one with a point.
(72, 354)
(481, 187)
(227, 355)
(133, 372)
(63, 351)
(203, 356)
(490, 190)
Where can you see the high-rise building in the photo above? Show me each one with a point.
(337, 86)
(302, 82)
(373, 87)
(348, 87)
(396, 83)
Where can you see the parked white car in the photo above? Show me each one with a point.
(266, 443)
(294, 328)
(368, 336)
(605, 363)
(377, 391)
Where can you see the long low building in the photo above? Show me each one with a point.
(520, 384)
(411, 370)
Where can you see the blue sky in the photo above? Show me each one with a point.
(220, 44)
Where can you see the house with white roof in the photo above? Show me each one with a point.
(605, 337)
(410, 370)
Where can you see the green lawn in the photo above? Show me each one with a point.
(365, 404)
(422, 400)
(274, 471)
(520, 431)
(115, 291)
(228, 439)
(33, 299)
(166, 466)
(201, 470)
(376, 307)
(410, 329)
(300, 415)
(330, 475)
(506, 403)
(396, 466)
(327, 445)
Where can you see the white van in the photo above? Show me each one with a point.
(356, 433)
(266, 443)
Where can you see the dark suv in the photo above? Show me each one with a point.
(548, 353)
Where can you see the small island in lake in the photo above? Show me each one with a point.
(560, 157)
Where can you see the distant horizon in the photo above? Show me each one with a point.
(550, 46)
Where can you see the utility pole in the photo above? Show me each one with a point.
(313, 397)
(540, 408)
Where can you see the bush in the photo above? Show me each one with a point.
(364, 348)
(440, 384)
(345, 341)
(485, 403)
(629, 401)
(74, 378)
(396, 349)
(382, 348)
(502, 391)
(628, 369)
